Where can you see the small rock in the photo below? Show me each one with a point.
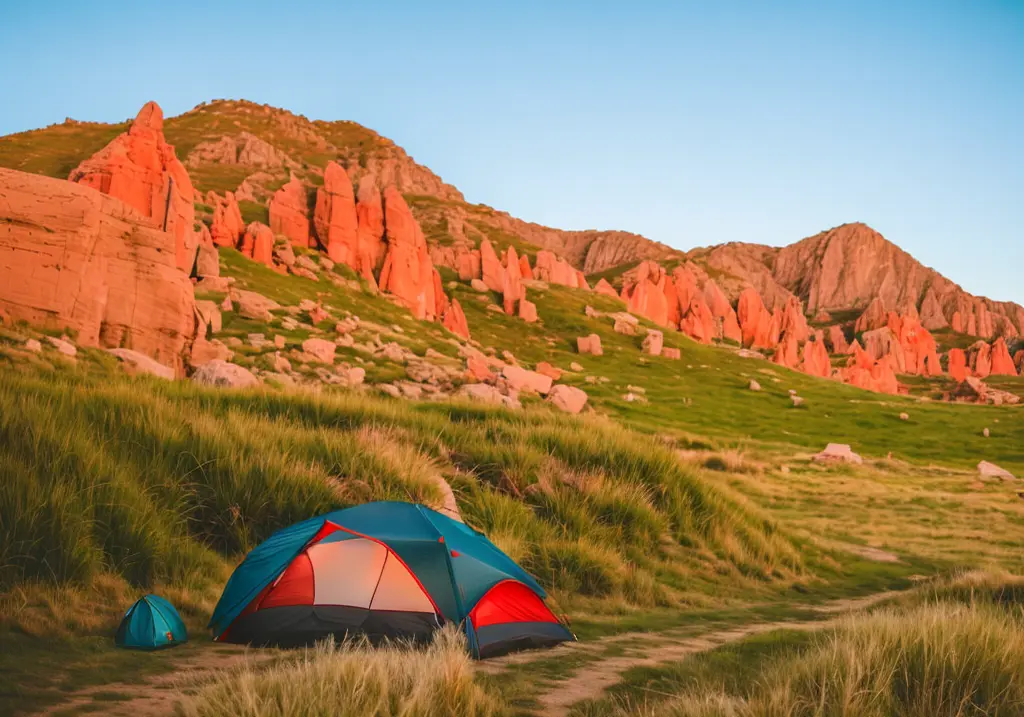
(479, 286)
(797, 401)
(63, 346)
(568, 398)
(138, 363)
(754, 385)
(279, 341)
(575, 367)
(636, 389)
(653, 343)
(390, 390)
(671, 353)
(546, 369)
(520, 379)
(985, 432)
(352, 376)
(589, 345)
(320, 349)
(33, 345)
(792, 392)
(225, 375)
(904, 416)
(255, 306)
(991, 470)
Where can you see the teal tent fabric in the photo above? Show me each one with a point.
(151, 623)
(456, 564)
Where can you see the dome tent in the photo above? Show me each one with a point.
(151, 623)
(386, 569)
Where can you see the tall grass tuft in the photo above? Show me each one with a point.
(353, 679)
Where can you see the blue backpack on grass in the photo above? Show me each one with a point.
(151, 623)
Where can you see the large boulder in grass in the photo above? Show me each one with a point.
(522, 379)
(320, 349)
(137, 363)
(838, 453)
(567, 398)
(589, 345)
(991, 470)
(224, 375)
(255, 306)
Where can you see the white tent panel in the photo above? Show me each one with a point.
(346, 572)
(398, 590)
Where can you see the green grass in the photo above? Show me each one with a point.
(954, 648)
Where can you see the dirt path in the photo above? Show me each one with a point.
(649, 649)
(159, 694)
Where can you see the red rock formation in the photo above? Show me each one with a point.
(1002, 363)
(957, 364)
(455, 321)
(793, 320)
(289, 212)
(141, 169)
(581, 281)
(554, 270)
(524, 267)
(837, 339)
(441, 302)
(787, 353)
(407, 272)
(919, 347)
(527, 311)
(258, 243)
(228, 226)
(981, 359)
(731, 327)
(864, 372)
(74, 258)
(1018, 361)
(874, 317)
(716, 300)
(491, 270)
(698, 323)
(957, 322)
(335, 221)
(816, 361)
(370, 228)
(756, 323)
(468, 265)
(603, 287)
(511, 282)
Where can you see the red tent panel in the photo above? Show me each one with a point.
(294, 587)
(510, 601)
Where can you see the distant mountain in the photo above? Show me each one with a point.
(254, 149)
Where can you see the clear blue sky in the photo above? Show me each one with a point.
(692, 123)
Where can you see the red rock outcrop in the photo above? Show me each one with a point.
(815, 360)
(837, 339)
(981, 359)
(555, 270)
(527, 311)
(864, 372)
(793, 320)
(207, 258)
(919, 347)
(511, 282)
(957, 364)
(603, 287)
(491, 270)
(335, 221)
(71, 257)
(258, 243)
(455, 320)
(698, 323)
(1018, 361)
(787, 353)
(759, 329)
(228, 226)
(141, 169)
(289, 212)
(874, 317)
(1002, 363)
(468, 265)
(370, 228)
(408, 271)
(524, 268)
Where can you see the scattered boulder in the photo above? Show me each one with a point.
(653, 343)
(838, 453)
(224, 375)
(904, 416)
(33, 345)
(991, 470)
(974, 390)
(568, 398)
(255, 306)
(522, 379)
(138, 363)
(63, 346)
(589, 345)
(204, 351)
(546, 369)
(485, 393)
(603, 287)
(527, 311)
(671, 353)
(320, 349)
(478, 368)
(575, 367)
(754, 385)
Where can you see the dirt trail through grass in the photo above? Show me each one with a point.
(646, 649)
(156, 695)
